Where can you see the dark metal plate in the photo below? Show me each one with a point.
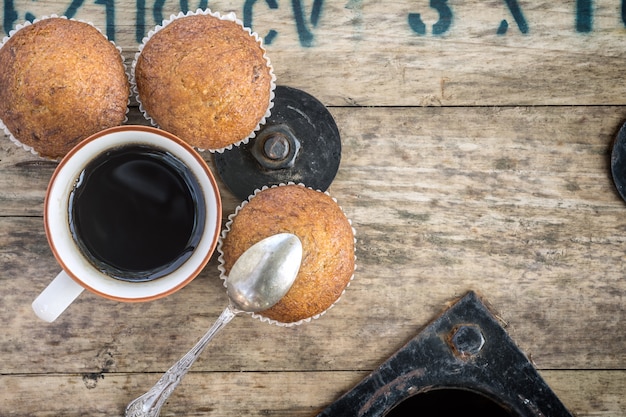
(296, 116)
(618, 162)
(463, 351)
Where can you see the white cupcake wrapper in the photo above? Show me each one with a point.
(226, 230)
(20, 26)
(207, 12)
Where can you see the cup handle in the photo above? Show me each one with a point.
(57, 296)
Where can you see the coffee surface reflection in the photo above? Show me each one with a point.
(136, 212)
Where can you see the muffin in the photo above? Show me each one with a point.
(61, 80)
(205, 78)
(327, 237)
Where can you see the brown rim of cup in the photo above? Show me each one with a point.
(194, 154)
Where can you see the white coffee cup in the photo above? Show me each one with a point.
(80, 271)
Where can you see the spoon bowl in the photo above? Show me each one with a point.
(278, 257)
(261, 276)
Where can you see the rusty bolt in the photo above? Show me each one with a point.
(276, 147)
(467, 340)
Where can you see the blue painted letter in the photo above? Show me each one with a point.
(442, 25)
(584, 15)
(247, 18)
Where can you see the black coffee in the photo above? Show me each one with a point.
(136, 212)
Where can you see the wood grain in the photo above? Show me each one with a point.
(530, 221)
(367, 53)
(471, 160)
(287, 394)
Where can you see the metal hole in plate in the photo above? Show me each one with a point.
(449, 402)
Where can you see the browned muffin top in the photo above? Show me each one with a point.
(327, 243)
(205, 80)
(61, 80)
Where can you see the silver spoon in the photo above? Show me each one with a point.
(259, 279)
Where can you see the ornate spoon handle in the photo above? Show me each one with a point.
(150, 403)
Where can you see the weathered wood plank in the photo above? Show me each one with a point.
(492, 192)
(516, 203)
(375, 53)
(518, 154)
(585, 393)
(23, 180)
(559, 296)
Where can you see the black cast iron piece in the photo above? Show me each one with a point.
(299, 143)
(465, 350)
(618, 162)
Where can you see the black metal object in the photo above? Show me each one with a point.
(466, 360)
(299, 143)
(618, 162)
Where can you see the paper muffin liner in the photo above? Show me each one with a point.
(226, 230)
(26, 23)
(230, 17)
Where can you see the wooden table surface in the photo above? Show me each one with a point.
(476, 149)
